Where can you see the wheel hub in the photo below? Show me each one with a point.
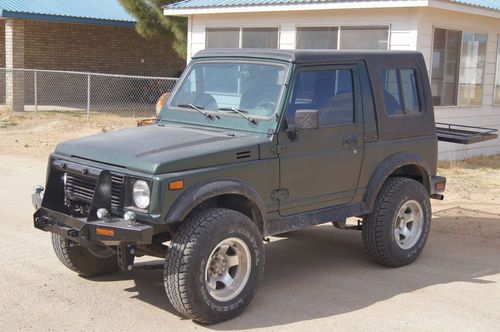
(228, 269)
(408, 224)
(217, 265)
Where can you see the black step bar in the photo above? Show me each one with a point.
(460, 134)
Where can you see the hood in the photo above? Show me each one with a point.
(158, 149)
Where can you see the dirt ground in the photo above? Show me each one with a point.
(315, 279)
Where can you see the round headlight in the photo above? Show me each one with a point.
(141, 193)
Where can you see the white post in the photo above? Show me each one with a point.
(88, 96)
(36, 91)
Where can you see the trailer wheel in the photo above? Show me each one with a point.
(214, 265)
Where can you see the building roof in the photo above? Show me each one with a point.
(101, 12)
(203, 4)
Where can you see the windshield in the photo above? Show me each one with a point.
(228, 95)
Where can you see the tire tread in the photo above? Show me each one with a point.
(374, 228)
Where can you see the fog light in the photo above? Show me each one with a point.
(103, 214)
(129, 216)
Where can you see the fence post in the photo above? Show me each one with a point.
(88, 96)
(36, 91)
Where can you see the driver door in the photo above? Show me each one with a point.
(320, 167)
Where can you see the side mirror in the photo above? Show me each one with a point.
(306, 119)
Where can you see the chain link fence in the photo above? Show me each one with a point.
(65, 91)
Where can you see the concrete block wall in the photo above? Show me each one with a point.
(103, 49)
(77, 47)
(14, 50)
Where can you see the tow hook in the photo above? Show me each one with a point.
(43, 222)
(73, 233)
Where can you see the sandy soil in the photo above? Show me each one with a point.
(36, 136)
(315, 279)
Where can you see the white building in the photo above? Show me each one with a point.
(460, 40)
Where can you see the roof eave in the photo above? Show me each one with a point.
(440, 4)
(68, 19)
(169, 10)
(463, 8)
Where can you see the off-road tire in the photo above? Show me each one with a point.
(187, 258)
(81, 260)
(378, 226)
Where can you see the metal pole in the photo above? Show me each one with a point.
(88, 96)
(36, 92)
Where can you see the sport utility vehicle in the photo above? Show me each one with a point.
(251, 143)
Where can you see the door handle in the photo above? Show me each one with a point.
(350, 141)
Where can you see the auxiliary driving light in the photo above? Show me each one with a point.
(102, 214)
(129, 216)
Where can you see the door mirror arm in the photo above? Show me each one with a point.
(291, 133)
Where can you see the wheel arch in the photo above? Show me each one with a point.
(231, 194)
(407, 165)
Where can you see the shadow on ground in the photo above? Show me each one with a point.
(322, 272)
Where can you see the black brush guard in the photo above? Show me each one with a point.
(51, 212)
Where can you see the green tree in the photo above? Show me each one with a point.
(152, 24)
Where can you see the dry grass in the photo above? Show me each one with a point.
(473, 183)
(479, 162)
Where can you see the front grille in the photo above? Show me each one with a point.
(80, 188)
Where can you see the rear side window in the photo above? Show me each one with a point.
(400, 91)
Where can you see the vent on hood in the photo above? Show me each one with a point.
(243, 154)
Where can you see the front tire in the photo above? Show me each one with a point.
(82, 260)
(396, 231)
(214, 265)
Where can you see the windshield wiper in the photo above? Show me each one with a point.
(199, 109)
(239, 112)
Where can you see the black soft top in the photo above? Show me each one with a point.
(306, 56)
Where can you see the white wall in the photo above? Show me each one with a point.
(402, 21)
(486, 115)
(410, 29)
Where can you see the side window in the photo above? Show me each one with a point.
(392, 96)
(330, 91)
(409, 88)
(400, 91)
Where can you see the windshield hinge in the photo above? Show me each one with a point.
(279, 195)
(277, 149)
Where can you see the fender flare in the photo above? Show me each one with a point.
(198, 194)
(387, 167)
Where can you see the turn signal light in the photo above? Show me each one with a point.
(104, 231)
(176, 185)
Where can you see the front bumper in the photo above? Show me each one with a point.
(89, 233)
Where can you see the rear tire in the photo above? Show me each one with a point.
(82, 260)
(214, 265)
(396, 231)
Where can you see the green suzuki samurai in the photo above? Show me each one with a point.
(251, 143)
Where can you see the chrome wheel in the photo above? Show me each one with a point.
(408, 224)
(228, 269)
